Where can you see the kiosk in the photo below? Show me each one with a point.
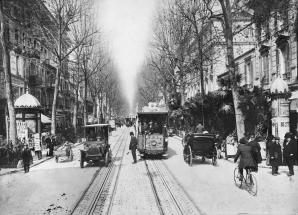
(28, 120)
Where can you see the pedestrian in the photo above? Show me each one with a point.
(51, 146)
(289, 152)
(256, 150)
(244, 151)
(275, 155)
(133, 146)
(218, 143)
(199, 128)
(27, 157)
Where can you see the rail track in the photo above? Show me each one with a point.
(91, 202)
(169, 195)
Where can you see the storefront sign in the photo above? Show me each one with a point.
(22, 130)
(36, 138)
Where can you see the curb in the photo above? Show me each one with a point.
(34, 164)
(21, 169)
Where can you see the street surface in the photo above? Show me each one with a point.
(55, 188)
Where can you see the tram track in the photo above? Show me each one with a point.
(92, 199)
(170, 196)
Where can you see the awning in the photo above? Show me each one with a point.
(294, 95)
(45, 119)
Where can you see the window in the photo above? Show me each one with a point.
(248, 71)
(17, 65)
(16, 35)
(265, 67)
(284, 52)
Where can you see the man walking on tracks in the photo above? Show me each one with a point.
(133, 146)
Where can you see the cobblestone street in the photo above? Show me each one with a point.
(205, 188)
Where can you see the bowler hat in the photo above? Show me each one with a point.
(288, 135)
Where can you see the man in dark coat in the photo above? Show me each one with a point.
(244, 151)
(27, 157)
(275, 154)
(133, 146)
(289, 152)
(199, 128)
(256, 150)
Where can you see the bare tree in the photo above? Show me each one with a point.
(66, 13)
(6, 68)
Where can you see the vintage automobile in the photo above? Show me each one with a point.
(64, 151)
(151, 130)
(96, 144)
(199, 145)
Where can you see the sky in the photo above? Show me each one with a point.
(127, 26)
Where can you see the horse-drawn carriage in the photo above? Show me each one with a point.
(96, 144)
(199, 145)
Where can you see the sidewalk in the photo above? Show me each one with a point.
(6, 171)
(261, 165)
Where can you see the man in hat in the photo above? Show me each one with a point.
(133, 146)
(27, 157)
(275, 155)
(289, 152)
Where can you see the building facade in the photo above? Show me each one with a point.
(33, 65)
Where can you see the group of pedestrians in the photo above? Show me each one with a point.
(250, 155)
(277, 155)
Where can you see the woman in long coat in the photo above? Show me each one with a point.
(275, 155)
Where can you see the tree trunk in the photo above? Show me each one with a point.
(54, 105)
(85, 99)
(228, 22)
(75, 111)
(8, 85)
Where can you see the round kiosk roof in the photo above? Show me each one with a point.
(279, 86)
(27, 101)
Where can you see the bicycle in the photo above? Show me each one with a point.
(249, 180)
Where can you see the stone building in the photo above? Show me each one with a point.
(32, 62)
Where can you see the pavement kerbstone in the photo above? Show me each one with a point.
(7, 171)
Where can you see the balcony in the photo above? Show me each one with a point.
(35, 80)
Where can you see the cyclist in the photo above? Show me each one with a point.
(244, 151)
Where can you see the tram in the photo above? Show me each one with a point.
(151, 131)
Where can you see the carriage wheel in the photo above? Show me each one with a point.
(110, 155)
(214, 161)
(82, 161)
(71, 156)
(107, 159)
(190, 156)
(56, 159)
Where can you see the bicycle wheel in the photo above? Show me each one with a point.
(237, 181)
(252, 185)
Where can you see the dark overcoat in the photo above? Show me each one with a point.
(275, 154)
(133, 143)
(246, 159)
(27, 156)
(256, 151)
(288, 149)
